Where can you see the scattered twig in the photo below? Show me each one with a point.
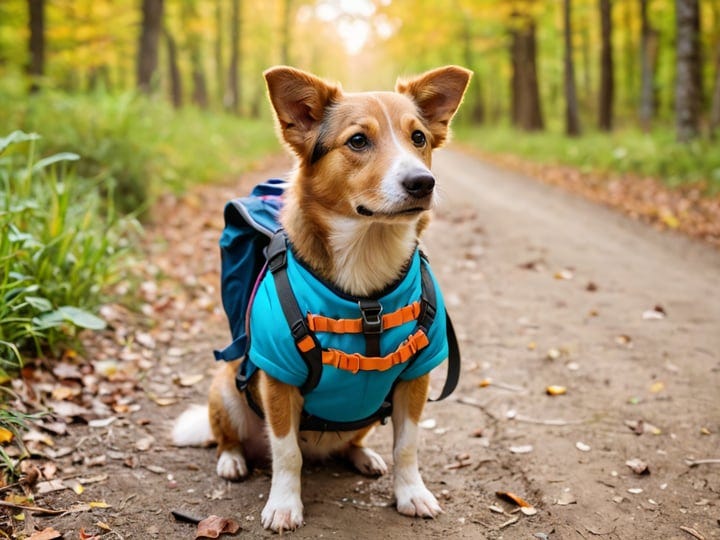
(475, 403)
(37, 509)
(696, 462)
(185, 517)
(509, 522)
(548, 422)
(692, 532)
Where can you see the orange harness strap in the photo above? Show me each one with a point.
(318, 323)
(356, 362)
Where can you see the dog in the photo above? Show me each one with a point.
(359, 198)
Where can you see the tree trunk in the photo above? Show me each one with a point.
(285, 33)
(688, 93)
(572, 119)
(715, 104)
(629, 55)
(525, 92)
(147, 60)
(176, 91)
(36, 44)
(607, 80)
(477, 109)
(188, 14)
(648, 62)
(219, 64)
(232, 102)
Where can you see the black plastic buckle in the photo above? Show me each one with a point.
(371, 316)
(277, 260)
(299, 330)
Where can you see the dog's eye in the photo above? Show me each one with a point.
(418, 138)
(358, 141)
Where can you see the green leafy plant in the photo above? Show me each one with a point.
(59, 250)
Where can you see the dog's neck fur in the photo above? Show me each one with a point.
(359, 256)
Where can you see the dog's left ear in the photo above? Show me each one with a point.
(299, 100)
(438, 94)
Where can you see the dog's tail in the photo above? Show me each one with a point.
(192, 428)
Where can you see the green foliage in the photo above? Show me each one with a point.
(135, 147)
(59, 250)
(628, 151)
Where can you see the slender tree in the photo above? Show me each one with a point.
(525, 92)
(176, 90)
(649, 40)
(607, 80)
(218, 50)
(477, 106)
(688, 93)
(36, 44)
(147, 58)
(715, 103)
(572, 117)
(285, 32)
(193, 43)
(232, 102)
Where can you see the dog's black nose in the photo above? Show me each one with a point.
(419, 185)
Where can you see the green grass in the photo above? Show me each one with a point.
(625, 151)
(138, 147)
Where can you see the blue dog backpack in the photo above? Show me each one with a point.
(308, 334)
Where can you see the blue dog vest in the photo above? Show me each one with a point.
(343, 395)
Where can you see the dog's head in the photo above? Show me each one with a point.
(367, 155)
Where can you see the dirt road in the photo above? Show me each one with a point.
(545, 289)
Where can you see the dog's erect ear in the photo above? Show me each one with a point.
(438, 94)
(299, 100)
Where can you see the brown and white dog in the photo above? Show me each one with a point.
(355, 207)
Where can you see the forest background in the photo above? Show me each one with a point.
(107, 104)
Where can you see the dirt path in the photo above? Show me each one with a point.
(500, 246)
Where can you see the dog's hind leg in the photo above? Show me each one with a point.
(413, 498)
(365, 460)
(282, 405)
(229, 415)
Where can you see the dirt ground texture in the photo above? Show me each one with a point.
(545, 289)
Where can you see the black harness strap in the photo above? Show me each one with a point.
(277, 263)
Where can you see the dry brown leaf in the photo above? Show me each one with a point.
(637, 466)
(48, 533)
(214, 526)
(512, 497)
(555, 390)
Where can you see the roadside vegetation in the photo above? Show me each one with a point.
(625, 151)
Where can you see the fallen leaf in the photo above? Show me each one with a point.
(566, 498)
(591, 286)
(512, 497)
(555, 390)
(553, 354)
(623, 339)
(635, 491)
(657, 386)
(637, 466)
(47, 533)
(564, 274)
(582, 446)
(214, 526)
(522, 449)
(87, 536)
(496, 509)
(528, 510)
(98, 504)
(50, 486)
(190, 380)
(705, 431)
(145, 443)
(102, 422)
(5, 435)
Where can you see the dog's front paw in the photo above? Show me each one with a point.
(231, 465)
(282, 515)
(416, 500)
(367, 461)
